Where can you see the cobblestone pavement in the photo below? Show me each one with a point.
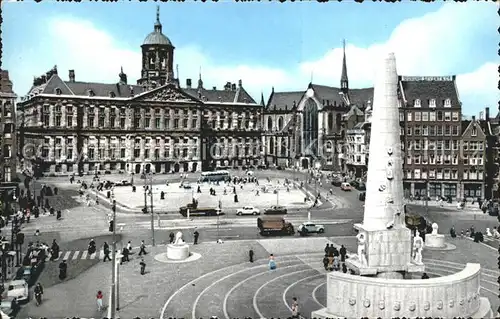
(223, 283)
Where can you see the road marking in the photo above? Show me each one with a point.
(315, 290)
(66, 257)
(58, 256)
(256, 306)
(75, 256)
(101, 254)
(84, 254)
(92, 256)
(214, 230)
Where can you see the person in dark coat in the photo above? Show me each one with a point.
(106, 252)
(125, 253)
(55, 250)
(325, 261)
(250, 255)
(327, 248)
(425, 276)
(335, 251)
(171, 236)
(143, 266)
(343, 252)
(63, 267)
(344, 268)
(196, 235)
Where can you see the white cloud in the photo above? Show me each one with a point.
(427, 45)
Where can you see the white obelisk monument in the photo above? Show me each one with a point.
(384, 242)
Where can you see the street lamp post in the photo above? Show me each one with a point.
(149, 178)
(113, 295)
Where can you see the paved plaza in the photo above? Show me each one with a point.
(176, 196)
(223, 283)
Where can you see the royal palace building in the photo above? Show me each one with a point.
(155, 126)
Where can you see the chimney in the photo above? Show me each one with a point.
(233, 87)
(214, 88)
(188, 83)
(227, 87)
(240, 83)
(473, 117)
(44, 79)
(487, 113)
(72, 75)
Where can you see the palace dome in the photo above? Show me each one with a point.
(157, 38)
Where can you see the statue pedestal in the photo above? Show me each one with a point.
(434, 241)
(388, 252)
(177, 252)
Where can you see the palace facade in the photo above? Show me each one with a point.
(156, 126)
(8, 147)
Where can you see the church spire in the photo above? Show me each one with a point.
(344, 81)
(158, 23)
(262, 98)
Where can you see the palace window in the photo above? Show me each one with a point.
(146, 153)
(137, 122)
(432, 130)
(439, 116)
(432, 116)
(466, 159)
(416, 173)
(184, 123)
(455, 130)
(425, 116)
(425, 130)
(122, 122)
(417, 130)
(166, 123)
(417, 103)
(194, 123)
(418, 116)
(447, 103)
(58, 120)
(408, 131)
(122, 153)
(474, 131)
(176, 123)
(454, 116)
(408, 115)
(101, 121)
(91, 153)
(157, 123)
(112, 121)
(455, 144)
(440, 130)
(69, 121)
(447, 116)
(432, 103)
(147, 122)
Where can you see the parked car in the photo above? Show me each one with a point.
(275, 210)
(361, 186)
(186, 185)
(308, 227)
(346, 187)
(6, 308)
(336, 183)
(362, 196)
(247, 210)
(18, 289)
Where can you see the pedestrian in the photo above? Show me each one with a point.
(344, 268)
(143, 249)
(143, 266)
(250, 255)
(295, 308)
(129, 246)
(272, 263)
(325, 261)
(63, 266)
(336, 263)
(196, 235)
(99, 300)
(171, 237)
(327, 248)
(425, 276)
(343, 252)
(106, 252)
(125, 253)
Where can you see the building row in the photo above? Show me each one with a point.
(161, 125)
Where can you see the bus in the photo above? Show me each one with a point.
(215, 176)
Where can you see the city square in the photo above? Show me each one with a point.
(144, 193)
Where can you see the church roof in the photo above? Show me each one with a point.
(329, 94)
(360, 97)
(284, 100)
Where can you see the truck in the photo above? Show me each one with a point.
(195, 210)
(274, 226)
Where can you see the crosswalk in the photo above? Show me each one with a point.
(78, 255)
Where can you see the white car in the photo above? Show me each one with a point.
(18, 289)
(309, 227)
(247, 210)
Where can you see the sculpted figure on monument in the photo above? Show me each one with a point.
(178, 239)
(361, 248)
(397, 306)
(435, 229)
(381, 304)
(418, 245)
(427, 306)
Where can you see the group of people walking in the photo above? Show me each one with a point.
(334, 258)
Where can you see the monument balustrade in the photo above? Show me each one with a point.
(456, 295)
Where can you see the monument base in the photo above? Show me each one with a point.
(435, 241)
(387, 251)
(484, 311)
(177, 252)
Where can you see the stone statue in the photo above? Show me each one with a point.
(488, 232)
(178, 239)
(362, 248)
(435, 229)
(418, 245)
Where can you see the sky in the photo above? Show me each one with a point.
(266, 45)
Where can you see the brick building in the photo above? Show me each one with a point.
(154, 126)
(8, 137)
